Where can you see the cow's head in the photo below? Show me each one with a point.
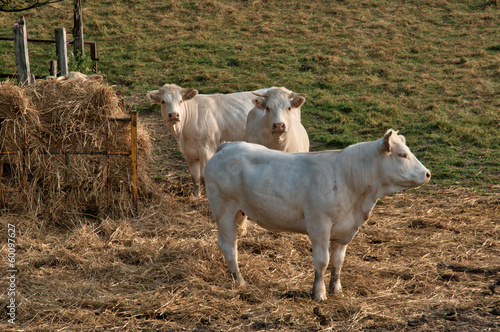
(400, 168)
(171, 97)
(282, 107)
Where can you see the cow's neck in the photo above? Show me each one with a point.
(177, 130)
(360, 164)
(280, 142)
(179, 127)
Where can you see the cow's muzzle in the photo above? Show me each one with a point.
(279, 127)
(173, 117)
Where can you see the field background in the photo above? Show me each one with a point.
(427, 260)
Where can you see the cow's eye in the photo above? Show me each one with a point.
(267, 109)
(289, 108)
(163, 101)
(181, 101)
(403, 155)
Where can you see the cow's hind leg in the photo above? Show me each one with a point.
(227, 224)
(320, 240)
(337, 259)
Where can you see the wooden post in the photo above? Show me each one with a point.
(21, 51)
(78, 44)
(53, 68)
(133, 156)
(61, 52)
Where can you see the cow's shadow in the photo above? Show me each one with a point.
(295, 294)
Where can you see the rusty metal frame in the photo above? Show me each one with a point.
(133, 163)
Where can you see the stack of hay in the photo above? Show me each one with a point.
(59, 116)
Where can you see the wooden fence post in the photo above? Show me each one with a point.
(53, 68)
(78, 44)
(21, 51)
(61, 52)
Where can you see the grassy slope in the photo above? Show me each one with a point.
(428, 68)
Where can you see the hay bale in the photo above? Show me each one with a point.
(67, 116)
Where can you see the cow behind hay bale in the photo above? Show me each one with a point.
(42, 121)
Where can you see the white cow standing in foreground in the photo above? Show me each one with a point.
(201, 122)
(275, 121)
(326, 195)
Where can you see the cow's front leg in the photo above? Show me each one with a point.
(337, 259)
(320, 239)
(205, 156)
(195, 170)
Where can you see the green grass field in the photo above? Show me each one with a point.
(428, 68)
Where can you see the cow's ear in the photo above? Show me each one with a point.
(260, 103)
(298, 101)
(402, 138)
(189, 94)
(386, 146)
(154, 96)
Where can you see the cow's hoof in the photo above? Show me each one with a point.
(238, 280)
(320, 297)
(337, 292)
(240, 283)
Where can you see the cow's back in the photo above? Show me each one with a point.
(232, 114)
(255, 132)
(247, 173)
(211, 120)
(224, 114)
(298, 140)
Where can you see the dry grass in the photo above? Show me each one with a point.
(426, 261)
(59, 116)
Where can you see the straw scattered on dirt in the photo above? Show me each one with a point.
(426, 261)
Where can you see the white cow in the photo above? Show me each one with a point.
(201, 122)
(275, 121)
(75, 75)
(326, 195)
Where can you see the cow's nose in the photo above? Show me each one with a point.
(173, 116)
(428, 175)
(279, 127)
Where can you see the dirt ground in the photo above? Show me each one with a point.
(427, 260)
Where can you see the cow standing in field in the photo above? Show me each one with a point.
(275, 121)
(201, 122)
(326, 195)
